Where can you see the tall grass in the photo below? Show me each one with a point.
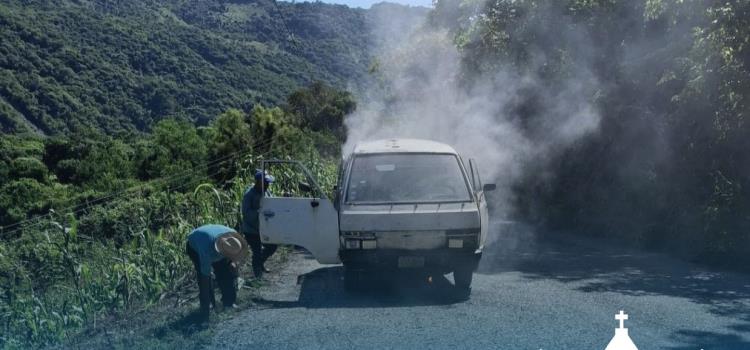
(70, 272)
(56, 280)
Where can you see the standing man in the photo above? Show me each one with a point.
(250, 222)
(221, 248)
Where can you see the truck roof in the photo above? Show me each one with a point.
(403, 146)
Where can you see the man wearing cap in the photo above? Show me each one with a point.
(221, 248)
(250, 222)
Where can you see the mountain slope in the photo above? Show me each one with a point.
(70, 66)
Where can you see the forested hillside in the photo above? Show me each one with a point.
(117, 66)
(124, 124)
(669, 163)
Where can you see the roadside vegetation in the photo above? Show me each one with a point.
(95, 226)
(668, 166)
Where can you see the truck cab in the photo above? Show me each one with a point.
(398, 204)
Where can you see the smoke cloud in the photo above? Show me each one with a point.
(417, 91)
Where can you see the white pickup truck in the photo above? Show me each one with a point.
(399, 204)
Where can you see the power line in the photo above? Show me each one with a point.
(189, 171)
(111, 197)
(290, 35)
(40, 219)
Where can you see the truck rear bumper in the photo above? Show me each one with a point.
(444, 259)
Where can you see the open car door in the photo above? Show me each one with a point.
(298, 212)
(480, 196)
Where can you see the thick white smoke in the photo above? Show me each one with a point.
(416, 92)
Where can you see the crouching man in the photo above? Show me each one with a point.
(221, 248)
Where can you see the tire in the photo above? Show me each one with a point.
(462, 277)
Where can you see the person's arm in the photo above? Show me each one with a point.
(246, 206)
(205, 265)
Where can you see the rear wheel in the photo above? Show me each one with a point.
(462, 277)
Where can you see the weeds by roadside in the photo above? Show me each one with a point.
(56, 282)
(172, 324)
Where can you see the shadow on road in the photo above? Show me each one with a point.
(324, 288)
(715, 340)
(601, 266)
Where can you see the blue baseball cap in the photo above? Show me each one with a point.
(259, 174)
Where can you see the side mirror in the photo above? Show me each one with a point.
(304, 187)
(489, 187)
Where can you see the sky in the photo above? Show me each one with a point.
(367, 3)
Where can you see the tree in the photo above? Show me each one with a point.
(175, 149)
(320, 107)
(22, 197)
(30, 168)
(231, 138)
(266, 124)
(108, 165)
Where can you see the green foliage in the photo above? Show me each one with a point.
(23, 197)
(83, 170)
(69, 272)
(110, 214)
(230, 136)
(174, 147)
(668, 166)
(4, 171)
(28, 167)
(13, 147)
(266, 123)
(93, 215)
(56, 280)
(123, 66)
(322, 108)
(93, 160)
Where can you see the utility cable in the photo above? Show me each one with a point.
(113, 196)
(166, 179)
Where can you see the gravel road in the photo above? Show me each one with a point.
(529, 293)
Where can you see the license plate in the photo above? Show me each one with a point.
(410, 261)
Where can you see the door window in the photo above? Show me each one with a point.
(291, 179)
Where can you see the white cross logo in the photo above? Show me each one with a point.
(622, 316)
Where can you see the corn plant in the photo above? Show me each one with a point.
(64, 274)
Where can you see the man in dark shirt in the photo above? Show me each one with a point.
(250, 222)
(221, 248)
